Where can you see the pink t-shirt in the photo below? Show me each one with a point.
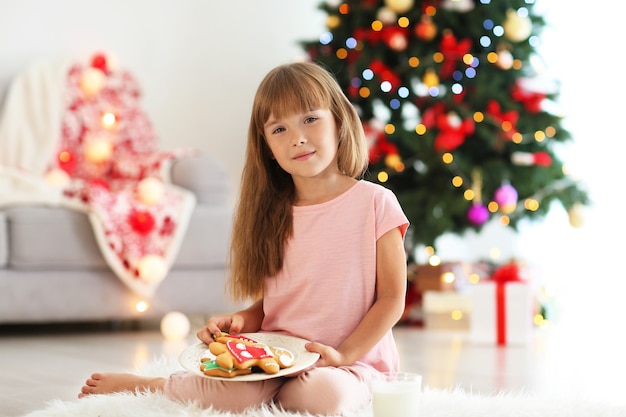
(328, 280)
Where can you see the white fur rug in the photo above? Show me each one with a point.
(434, 403)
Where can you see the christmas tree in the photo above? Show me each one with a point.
(460, 117)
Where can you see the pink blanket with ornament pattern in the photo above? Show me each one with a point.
(76, 136)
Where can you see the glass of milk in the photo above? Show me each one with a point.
(396, 394)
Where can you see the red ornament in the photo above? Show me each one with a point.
(395, 37)
(99, 61)
(542, 159)
(66, 161)
(379, 144)
(425, 29)
(384, 73)
(431, 114)
(530, 100)
(168, 226)
(100, 182)
(452, 132)
(141, 222)
(452, 129)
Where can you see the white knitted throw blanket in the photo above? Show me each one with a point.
(75, 136)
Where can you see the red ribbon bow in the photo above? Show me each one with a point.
(503, 275)
(453, 51)
(493, 109)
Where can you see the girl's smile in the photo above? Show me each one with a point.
(303, 156)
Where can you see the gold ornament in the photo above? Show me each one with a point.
(430, 78)
(399, 6)
(387, 16)
(505, 59)
(517, 28)
(332, 21)
(576, 217)
(393, 160)
(508, 208)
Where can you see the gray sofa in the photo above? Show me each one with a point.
(51, 269)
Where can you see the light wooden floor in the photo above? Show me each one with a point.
(575, 357)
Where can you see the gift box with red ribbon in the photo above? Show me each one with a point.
(447, 310)
(502, 308)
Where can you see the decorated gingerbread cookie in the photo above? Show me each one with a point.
(235, 354)
(211, 368)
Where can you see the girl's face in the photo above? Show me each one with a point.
(304, 144)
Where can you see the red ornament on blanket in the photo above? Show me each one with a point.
(167, 227)
(109, 150)
(100, 182)
(142, 222)
(99, 61)
(66, 161)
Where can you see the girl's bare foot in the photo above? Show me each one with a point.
(115, 382)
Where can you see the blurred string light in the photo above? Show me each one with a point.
(516, 28)
(432, 89)
(326, 38)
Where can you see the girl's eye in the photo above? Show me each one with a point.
(310, 119)
(277, 130)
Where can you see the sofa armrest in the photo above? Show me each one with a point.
(4, 241)
(204, 176)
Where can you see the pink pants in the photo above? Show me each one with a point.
(322, 391)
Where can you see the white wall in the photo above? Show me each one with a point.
(198, 61)
(582, 267)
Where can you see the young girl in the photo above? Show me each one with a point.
(319, 250)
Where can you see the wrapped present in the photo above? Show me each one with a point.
(447, 310)
(502, 309)
(432, 278)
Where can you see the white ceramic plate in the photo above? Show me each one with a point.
(190, 357)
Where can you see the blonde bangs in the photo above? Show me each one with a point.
(288, 90)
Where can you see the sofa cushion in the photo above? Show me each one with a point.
(42, 237)
(204, 176)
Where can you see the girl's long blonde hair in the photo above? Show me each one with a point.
(263, 219)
